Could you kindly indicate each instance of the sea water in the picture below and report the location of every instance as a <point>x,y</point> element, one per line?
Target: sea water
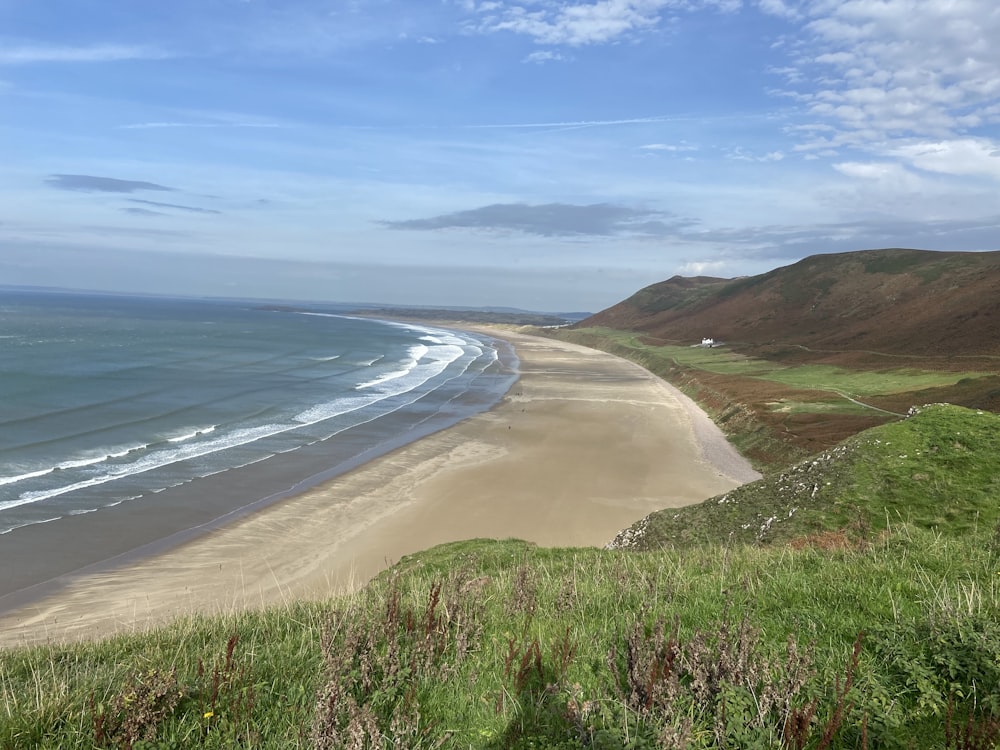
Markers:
<point>108,399</point>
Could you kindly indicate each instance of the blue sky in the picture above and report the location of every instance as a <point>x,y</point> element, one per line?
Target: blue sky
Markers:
<point>543,154</point>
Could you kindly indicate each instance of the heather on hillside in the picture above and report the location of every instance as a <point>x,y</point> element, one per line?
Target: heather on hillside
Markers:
<point>869,301</point>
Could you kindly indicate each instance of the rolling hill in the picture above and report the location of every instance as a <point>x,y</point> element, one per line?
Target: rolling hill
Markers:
<point>819,350</point>
<point>892,301</point>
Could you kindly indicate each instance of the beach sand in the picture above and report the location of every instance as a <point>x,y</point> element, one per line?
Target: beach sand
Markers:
<point>583,445</point>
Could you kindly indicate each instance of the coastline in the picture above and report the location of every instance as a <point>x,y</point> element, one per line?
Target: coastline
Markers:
<point>160,520</point>
<point>583,445</point>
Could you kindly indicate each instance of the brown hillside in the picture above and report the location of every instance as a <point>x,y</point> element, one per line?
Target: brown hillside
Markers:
<point>895,301</point>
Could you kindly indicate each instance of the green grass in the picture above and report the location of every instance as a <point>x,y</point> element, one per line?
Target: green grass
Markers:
<point>724,361</point>
<point>502,644</point>
<point>939,470</point>
<point>773,412</point>
<point>862,383</point>
<point>894,262</point>
<point>262,695</point>
<point>791,406</point>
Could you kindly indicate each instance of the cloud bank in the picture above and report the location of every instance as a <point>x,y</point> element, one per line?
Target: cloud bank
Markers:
<point>192,209</point>
<point>579,24</point>
<point>94,184</point>
<point>553,220</point>
<point>894,68</point>
<point>45,53</point>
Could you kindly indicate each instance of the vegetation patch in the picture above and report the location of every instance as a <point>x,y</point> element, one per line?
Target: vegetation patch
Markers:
<point>725,361</point>
<point>777,411</point>
<point>247,680</point>
<point>893,262</point>
<point>492,644</point>
<point>788,406</point>
<point>939,469</point>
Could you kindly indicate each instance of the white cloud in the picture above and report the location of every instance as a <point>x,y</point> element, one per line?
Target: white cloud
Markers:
<point>879,171</point>
<point>42,53</point>
<point>578,24</point>
<point>891,68</point>
<point>724,6</point>
<point>483,7</point>
<point>884,188</point>
<point>740,154</point>
<point>701,267</point>
<point>965,157</point>
<point>790,73</point>
<point>778,8</point>
<point>543,57</point>
<point>670,147</point>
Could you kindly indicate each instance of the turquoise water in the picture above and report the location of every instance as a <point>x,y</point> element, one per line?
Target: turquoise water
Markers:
<point>107,399</point>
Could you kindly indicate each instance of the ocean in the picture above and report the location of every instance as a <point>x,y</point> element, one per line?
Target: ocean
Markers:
<point>124,407</point>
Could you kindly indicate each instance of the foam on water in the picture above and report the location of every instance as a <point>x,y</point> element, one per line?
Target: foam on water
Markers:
<point>415,354</point>
<point>190,435</point>
<point>29,523</point>
<point>116,453</point>
<point>366,385</point>
<point>28,475</point>
<point>77,463</point>
<point>154,460</point>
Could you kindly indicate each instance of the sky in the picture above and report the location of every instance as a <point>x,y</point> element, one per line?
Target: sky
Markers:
<point>551,155</point>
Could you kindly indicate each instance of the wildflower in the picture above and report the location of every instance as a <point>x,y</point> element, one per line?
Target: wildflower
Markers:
<point>208,715</point>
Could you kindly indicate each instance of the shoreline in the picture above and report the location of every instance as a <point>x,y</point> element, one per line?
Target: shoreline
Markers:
<point>165,519</point>
<point>582,445</point>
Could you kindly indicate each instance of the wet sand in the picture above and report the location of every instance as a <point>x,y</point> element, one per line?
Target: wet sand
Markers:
<point>583,445</point>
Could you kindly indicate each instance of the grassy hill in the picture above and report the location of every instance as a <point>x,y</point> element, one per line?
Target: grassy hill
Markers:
<point>936,306</point>
<point>722,639</point>
<point>819,350</point>
<point>938,469</point>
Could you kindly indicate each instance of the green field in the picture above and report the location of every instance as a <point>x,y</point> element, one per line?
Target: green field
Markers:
<point>724,361</point>
<point>838,406</point>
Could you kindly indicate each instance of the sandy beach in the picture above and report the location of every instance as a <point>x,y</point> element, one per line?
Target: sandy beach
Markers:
<point>582,446</point>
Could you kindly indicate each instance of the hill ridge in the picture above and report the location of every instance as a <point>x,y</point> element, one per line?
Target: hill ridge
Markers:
<point>866,300</point>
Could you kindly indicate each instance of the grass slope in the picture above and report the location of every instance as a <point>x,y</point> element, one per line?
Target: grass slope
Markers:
<point>493,644</point>
<point>938,469</point>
